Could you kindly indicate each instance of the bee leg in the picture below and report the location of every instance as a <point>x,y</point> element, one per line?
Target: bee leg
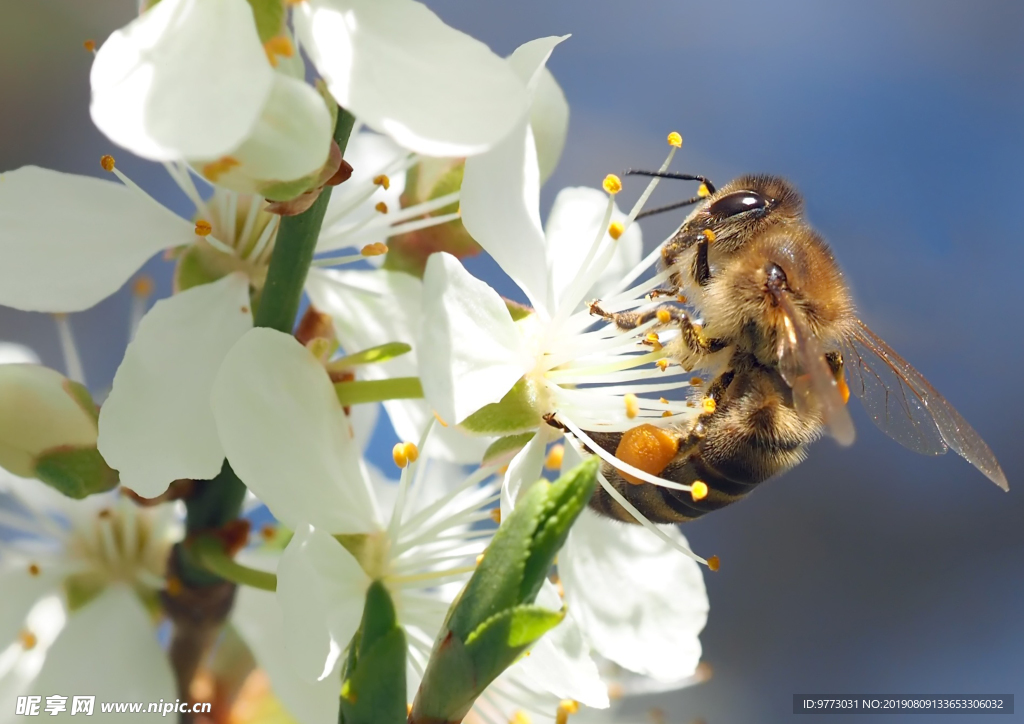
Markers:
<point>665,314</point>
<point>701,269</point>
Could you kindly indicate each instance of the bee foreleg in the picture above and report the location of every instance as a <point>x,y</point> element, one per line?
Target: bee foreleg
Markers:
<point>701,269</point>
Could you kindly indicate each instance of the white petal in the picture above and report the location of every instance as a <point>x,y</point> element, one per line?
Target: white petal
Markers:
<point>289,142</point>
<point>549,118</point>
<point>21,592</point>
<point>157,426</point>
<point>187,79</point>
<point>523,471</point>
<point>108,649</point>
<point>560,662</point>
<point>287,437</point>
<point>470,351</point>
<point>374,307</point>
<point>640,602</point>
<point>573,225</point>
<point>369,154</point>
<point>12,354</point>
<point>321,590</point>
<point>403,72</point>
<point>258,617</point>
<point>20,666</point>
<point>69,241</point>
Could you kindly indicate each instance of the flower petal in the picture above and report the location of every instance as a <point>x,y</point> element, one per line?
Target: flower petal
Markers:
<point>549,119</point>
<point>523,471</point>
<point>108,649</point>
<point>560,662</point>
<point>403,72</point>
<point>21,592</point>
<point>374,307</point>
<point>470,350</point>
<point>19,666</point>
<point>157,426</point>
<point>321,589</point>
<point>187,79</point>
<point>69,241</point>
<point>289,142</point>
<point>287,437</point>
<point>573,224</point>
<point>639,601</point>
<point>258,617</point>
<point>500,197</point>
<point>12,354</point>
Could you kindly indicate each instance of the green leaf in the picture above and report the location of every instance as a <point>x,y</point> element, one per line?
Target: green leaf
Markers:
<point>499,640</point>
<point>77,473</point>
<point>380,353</point>
<point>517,411</point>
<point>373,688</point>
<point>269,16</point>
<point>502,450</point>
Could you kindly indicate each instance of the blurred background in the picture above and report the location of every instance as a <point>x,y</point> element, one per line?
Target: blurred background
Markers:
<point>867,570</point>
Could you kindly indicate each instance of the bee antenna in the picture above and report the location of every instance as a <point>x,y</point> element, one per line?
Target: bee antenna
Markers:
<point>670,207</point>
<point>675,176</point>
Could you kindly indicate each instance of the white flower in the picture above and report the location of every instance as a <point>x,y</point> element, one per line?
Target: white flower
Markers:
<point>79,580</point>
<point>191,78</point>
<point>289,440</point>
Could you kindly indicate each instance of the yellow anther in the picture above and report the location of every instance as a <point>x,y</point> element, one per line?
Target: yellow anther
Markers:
<point>714,563</point>
<point>653,337</point>
<point>411,451</point>
<point>556,454</point>
<point>479,558</point>
<point>143,286</point>
<point>104,514</point>
<point>691,403</point>
<point>28,640</point>
<point>496,515</point>
<point>664,316</point>
<point>268,532</point>
<point>375,249</point>
<point>280,46</point>
<point>616,229</point>
<point>520,717</point>
<point>647,448</point>
<point>662,364</point>
<point>695,381</point>
<point>709,404</point>
<point>33,569</point>
<point>632,405</point>
<point>399,456</point>
<point>667,413</point>
<point>440,420</point>
<point>663,400</point>
<point>173,587</point>
<point>703,190</point>
<point>674,139</point>
<point>681,298</point>
<point>215,169</point>
<point>698,490</point>
<point>708,233</point>
<point>565,708</point>
<point>381,207</point>
<point>616,691</point>
<point>203,227</point>
<point>107,162</point>
<point>612,184</point>
<point>90,45</point>
<point>383,181</point>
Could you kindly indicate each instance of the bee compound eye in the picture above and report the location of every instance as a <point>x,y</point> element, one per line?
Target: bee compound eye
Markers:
<point>738,202</point>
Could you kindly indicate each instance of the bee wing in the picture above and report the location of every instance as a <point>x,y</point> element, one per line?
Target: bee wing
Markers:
<point>803,367</point>
<point>908,409</point>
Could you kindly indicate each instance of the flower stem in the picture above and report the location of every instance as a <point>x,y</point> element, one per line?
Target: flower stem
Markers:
<point>362,391</point>
<point>211,554</point>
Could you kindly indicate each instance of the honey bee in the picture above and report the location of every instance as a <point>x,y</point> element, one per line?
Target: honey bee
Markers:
<point>773,321</point>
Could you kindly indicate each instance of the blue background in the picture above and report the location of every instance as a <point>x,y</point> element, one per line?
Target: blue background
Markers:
<point>868,570</point>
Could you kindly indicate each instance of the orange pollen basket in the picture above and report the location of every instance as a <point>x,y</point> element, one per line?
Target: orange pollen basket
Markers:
<point>648,448</point>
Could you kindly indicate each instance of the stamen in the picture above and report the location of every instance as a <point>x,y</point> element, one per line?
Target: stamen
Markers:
<point>27,639</point>
<point>278,46</point>
<point>709,404</point>
<point>612,184</point>
<point>439,419</point>
<point>383,181</point>
<point>664,316</point>
<point>674,139</point>
<point>142,290</point>
<point>565,708</point>
<point>662,364</point>
<point>632,405</point>
<point>381,207</point>
<point>714,563</point>
<point>215,169</point>
<point>72,362</point>
<point>696,381</point>
<point>554,458</point>
<point>107,162</point>
<point>89,45</point>
<point>700,490</point>
<point>268,532</point>
<point>375,249</point>
<point>33,569</point>
<point>203,227</point>
<point>520,717</point>
<point>404,454</point>
<point>496,515</point>
<point>650,187</point>
<point>615,230</point>
<point>264,241</point>
<point>400,455</point>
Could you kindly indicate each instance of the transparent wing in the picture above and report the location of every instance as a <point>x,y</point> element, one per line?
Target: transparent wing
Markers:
<point>803,367</point>
<point>907,408</point>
